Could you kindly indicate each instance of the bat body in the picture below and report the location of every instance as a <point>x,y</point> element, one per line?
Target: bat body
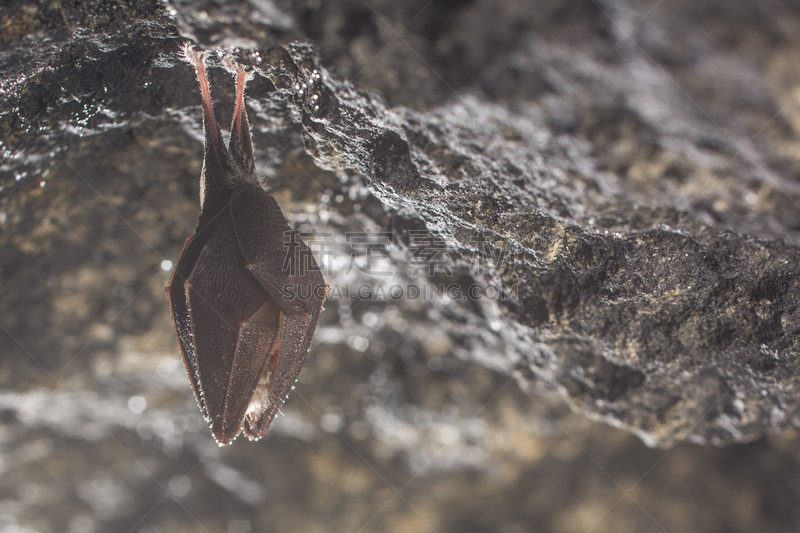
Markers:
<point>246,293</point>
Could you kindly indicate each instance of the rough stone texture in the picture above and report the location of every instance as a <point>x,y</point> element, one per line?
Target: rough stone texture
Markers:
<point>624,172</point>
<point>658,319</point>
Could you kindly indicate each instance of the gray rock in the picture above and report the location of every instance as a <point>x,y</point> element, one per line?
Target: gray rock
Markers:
<point>647,315</point>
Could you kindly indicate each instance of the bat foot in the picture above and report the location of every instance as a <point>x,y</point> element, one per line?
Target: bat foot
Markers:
<point>236,69</point>
<point>190,55</point>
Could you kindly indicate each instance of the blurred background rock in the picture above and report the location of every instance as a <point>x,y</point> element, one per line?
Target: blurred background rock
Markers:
<point>409,415</point>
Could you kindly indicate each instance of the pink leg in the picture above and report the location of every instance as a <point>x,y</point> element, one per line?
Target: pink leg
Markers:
<point>241,146</point>
<point>241,79</point>
<point>197,59</point>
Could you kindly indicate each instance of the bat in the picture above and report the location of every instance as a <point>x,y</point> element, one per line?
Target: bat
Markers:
<point>246,293</point>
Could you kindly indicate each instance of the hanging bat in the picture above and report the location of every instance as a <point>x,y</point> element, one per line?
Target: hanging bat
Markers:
<point>245,302</point>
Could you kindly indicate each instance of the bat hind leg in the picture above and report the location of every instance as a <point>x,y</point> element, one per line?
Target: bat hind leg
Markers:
<point>198,61</point>
<point>241,145</point>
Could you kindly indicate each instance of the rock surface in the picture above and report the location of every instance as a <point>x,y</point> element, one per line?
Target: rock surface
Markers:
<point>617,180</point>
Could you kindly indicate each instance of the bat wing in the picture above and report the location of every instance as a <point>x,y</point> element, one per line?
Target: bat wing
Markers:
<point>287,271</point>
<point>176,295</point>
<point>234,328</point>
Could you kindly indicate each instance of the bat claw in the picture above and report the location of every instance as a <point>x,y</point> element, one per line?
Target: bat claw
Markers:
<point>190,54</point>
<point>235,68</point>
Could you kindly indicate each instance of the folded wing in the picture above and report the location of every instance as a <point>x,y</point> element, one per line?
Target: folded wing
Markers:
<point>285,268</point>
<point>234,324</point>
